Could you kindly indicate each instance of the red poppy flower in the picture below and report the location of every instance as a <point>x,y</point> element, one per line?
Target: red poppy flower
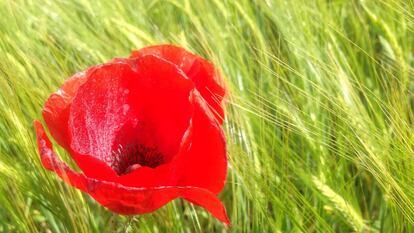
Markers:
<point>144,130</point>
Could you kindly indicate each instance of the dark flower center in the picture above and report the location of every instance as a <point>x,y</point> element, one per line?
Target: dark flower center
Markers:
<point>128,158</point>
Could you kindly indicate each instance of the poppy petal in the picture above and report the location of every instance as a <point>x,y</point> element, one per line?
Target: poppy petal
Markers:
<point>165,91</point>
<point>122,199</point>
<point>56,109</point>
<point>132,200</point>
<point>203,160</point>
<point>97,111</point>
<point>123,105</point>
<point>176,55</point>
<point>56,115</point>
<point>207,80</point>
<point>93,167</point>
<point>51,162</point>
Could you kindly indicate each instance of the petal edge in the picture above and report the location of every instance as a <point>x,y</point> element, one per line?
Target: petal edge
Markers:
<point>122,199</point>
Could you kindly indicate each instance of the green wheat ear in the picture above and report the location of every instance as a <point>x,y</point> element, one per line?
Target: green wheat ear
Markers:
<point>353,218</point>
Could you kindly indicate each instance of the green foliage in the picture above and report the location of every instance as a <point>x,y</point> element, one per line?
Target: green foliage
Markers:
<point>319,119</point>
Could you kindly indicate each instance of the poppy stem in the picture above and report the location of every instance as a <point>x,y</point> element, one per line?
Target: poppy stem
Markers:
<point>128,225</point>
<point>113,223</point>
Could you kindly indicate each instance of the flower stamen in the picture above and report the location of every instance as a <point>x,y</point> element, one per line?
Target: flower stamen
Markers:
<point>129,158</point>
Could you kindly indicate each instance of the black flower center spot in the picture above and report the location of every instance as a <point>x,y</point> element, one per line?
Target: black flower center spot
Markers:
<point>127,159</point>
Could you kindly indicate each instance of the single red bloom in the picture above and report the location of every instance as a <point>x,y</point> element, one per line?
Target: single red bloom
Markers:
<point>144,130</point>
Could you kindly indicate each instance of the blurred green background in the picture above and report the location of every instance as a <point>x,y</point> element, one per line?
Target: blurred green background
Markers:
<point>319,121</point>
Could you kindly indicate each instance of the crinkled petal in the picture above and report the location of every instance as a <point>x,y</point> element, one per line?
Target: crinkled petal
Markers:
<point>56,109</point>
<point>97,110</point>
<point>51,162</point>
<point>56,115</point>
<point>123,199</point>
<point>206,78</point>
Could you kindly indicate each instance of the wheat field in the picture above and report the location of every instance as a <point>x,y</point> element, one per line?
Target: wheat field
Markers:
<point>320,110</point>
